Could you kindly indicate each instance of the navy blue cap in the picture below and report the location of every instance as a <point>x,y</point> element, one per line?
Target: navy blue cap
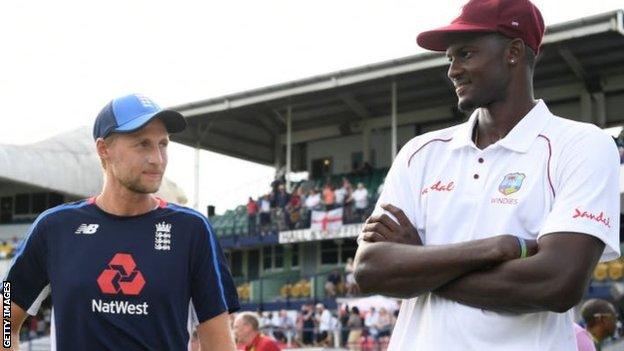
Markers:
<point>130,113</point>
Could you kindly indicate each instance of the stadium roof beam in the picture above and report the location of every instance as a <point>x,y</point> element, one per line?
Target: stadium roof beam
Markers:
<point>355,105</point>
<point>592,47</point>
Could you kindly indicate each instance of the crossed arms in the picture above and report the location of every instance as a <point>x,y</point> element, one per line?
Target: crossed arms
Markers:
<point>484,273</point>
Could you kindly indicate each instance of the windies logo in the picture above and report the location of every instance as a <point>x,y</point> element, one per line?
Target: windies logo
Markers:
<point>511,183</point>
<point>121,276</point>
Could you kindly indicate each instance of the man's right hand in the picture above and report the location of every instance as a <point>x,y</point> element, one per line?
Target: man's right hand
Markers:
<point>382,228</point>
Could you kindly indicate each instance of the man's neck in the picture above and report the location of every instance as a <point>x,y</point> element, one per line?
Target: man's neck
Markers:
<point>497,120</point>
<point>120,201</point>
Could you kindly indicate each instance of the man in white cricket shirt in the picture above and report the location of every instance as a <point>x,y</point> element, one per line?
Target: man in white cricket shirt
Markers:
<point>490,229</point>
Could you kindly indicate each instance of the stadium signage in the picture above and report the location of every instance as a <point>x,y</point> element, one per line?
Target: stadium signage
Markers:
<point>302,235</point>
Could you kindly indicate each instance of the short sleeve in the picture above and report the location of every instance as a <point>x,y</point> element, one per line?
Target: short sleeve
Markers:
<point>587,197</point>
<point>397,188</point>
<point>212,288</point>
<point>28,273</point>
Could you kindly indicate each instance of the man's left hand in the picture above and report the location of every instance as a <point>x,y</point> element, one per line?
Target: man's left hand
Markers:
<point>382,228</point>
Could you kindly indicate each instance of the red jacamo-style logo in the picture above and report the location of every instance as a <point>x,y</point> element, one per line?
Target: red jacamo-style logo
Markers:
<point>121,276</point>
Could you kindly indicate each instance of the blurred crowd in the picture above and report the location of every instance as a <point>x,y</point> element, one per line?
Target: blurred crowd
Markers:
<point>293,210</point>
<point>315,325</point>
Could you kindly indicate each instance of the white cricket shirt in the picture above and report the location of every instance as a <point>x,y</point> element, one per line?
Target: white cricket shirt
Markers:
<point>547,175</point>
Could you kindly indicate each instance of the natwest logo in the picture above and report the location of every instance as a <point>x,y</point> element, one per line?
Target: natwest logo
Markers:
<point>121,276</point>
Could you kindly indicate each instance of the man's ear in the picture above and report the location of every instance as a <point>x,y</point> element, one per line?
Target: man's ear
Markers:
<point>515,52</point>
<point>103,149</point>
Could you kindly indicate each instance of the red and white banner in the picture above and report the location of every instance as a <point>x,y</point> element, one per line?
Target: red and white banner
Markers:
<point>327,220</point>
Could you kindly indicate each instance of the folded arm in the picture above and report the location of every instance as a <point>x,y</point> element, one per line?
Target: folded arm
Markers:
<point>554,279</point>
<point>406,271</point>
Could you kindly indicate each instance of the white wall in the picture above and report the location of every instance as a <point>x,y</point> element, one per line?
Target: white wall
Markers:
<point>340,149</point>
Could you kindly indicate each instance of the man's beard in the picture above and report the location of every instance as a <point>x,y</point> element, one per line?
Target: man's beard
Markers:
<point>136,186</point>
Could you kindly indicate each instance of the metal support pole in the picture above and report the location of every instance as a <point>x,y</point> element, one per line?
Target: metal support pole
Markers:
<point>586,107</point>
<point>393,130</point>
<point>196,180</point>
<point>601,109</point>
<point>288,146</point>
<point>366,135</point>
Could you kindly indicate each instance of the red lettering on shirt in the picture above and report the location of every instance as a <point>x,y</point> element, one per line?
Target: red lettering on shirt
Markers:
<point>600,218</point>
<point>439,186</point>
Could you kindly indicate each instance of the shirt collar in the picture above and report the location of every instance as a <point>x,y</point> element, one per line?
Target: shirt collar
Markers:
<point>518,139</point>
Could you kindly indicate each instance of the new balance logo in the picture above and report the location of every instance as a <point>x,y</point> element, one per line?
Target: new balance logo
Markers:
<point>87,229</point>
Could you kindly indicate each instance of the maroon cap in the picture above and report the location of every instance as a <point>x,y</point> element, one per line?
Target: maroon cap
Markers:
<point>512,18</point>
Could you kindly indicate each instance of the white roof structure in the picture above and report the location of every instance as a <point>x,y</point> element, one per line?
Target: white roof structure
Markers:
<point>66,163</point>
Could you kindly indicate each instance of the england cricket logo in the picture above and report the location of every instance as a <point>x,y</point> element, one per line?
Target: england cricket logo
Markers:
<point>162,240</point>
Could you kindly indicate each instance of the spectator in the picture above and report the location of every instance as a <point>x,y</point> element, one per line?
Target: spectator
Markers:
<point>385,321</point>
<point>371,321</point>
<point>308,324</point>
<point>312,202</point>
<point>332,283</point>
<point>281,197</point>
<point>252,214</point>
<point>247,332</point>
<point>584,340</point>
<point>343,315</point>
<point>293,209</point>
<point>265,214</point>
<point>351,285</point>
<point>360,198</point>
<point>354,324</point>
<point>343,198</point>
<point>329,198</point>
<point>284,327</point>
<point>601,319</point>
<point>324,321</point>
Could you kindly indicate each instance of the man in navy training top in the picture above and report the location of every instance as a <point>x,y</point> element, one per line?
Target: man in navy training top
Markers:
<point>125,268</point>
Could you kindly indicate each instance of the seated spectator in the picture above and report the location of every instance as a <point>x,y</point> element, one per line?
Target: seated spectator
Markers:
<point>329,198</point>
<point>385,321</point>
<point>284,327</point>
<point>354,324</point>
<point>307,322</point>
<point>247,332</point>
<point>332,283</point>
<point>324,322</point>
<point>370,322</point>
<point>360,199</point>
<point>252,214</point>
<point>601,319</point>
